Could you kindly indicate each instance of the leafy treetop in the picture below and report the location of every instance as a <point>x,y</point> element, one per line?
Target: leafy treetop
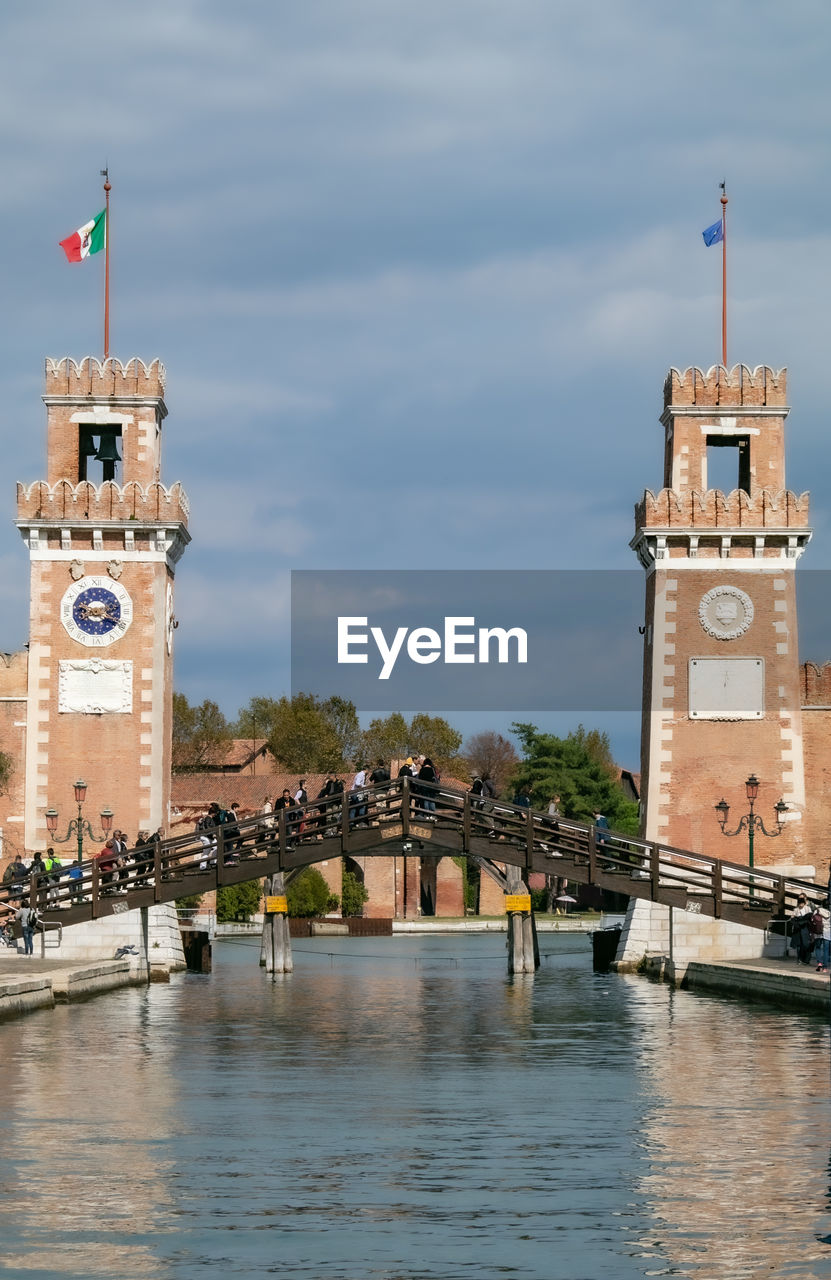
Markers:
<point>578,768</point>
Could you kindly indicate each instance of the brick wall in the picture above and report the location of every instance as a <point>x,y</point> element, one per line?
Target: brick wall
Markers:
<point>13,685</point>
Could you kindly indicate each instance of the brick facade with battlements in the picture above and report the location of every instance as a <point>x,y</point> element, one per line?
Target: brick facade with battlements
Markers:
<point>724,693</point>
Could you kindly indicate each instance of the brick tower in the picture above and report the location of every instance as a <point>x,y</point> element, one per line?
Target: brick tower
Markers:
<point>104,536</point>
<point>721,695</point>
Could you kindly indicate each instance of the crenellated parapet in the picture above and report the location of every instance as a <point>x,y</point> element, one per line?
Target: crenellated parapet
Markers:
<point>712,509</point>
<point>727,388</point>
<point>66,502</point>
<point>815,679</point>
<point>104,379</point>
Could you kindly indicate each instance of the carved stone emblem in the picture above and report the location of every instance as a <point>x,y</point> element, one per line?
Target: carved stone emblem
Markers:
<point>94,686</point>
<point>114,568</point>
<point>725,612</point>
<point>76,569</point>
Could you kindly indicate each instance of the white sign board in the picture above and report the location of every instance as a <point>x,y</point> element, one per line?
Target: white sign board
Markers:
<point>727,688</point>
<point>93,686</point>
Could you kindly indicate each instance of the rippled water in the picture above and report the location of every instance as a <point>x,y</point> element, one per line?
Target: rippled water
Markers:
<point>403,1110</point>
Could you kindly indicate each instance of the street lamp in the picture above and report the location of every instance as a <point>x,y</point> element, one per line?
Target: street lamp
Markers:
<point>78,827</point>
<point>750,821</point>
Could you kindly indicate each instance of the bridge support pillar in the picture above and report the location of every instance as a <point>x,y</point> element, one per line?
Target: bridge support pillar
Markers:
<point>276,951</point>
<point>523,950</point>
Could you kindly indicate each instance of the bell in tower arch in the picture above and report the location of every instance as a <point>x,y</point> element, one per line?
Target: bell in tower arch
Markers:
<point>108,454</point>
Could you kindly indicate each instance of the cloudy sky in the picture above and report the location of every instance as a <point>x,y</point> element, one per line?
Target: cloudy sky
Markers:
<point>416,270</point>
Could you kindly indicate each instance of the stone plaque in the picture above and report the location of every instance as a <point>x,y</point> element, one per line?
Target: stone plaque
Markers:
<point>727,688</point>
<point>93,686</point>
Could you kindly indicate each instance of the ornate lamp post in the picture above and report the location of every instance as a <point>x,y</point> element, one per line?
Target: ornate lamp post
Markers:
<point>78,827</point>
<point>750,821</point>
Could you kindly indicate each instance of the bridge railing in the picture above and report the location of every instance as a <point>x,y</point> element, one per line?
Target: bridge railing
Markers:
<point>496,829</point>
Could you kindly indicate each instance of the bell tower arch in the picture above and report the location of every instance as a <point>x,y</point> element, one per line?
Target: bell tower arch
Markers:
<point>104,537</point>
<point>721,691</point>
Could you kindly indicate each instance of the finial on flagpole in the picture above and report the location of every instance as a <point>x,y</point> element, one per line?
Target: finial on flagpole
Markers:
<point>105,174</point>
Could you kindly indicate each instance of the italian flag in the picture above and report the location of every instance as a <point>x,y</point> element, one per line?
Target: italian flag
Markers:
<point>88,239</point>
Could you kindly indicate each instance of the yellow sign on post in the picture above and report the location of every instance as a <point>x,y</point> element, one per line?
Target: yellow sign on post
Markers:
<point>277,905</point>
<point>517,902</point>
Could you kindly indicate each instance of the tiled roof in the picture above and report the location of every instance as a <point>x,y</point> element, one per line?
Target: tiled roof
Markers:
<point>240,752</point>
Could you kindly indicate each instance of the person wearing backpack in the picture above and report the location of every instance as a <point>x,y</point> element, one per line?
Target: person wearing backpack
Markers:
<point>54,870</point>
<point>27,919</point>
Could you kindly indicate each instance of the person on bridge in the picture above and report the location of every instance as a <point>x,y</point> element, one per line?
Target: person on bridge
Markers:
<point>54,871</point>
<point>357,814</point>
<point>38,868</point>
<point>76,886</point>
<point>380,774</point>
<point>107,863</point>
<point>427,773</point>
<point>19,872</point>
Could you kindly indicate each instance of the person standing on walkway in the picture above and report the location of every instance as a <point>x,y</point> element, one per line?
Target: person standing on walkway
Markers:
<point>801,937</point>
<point>26,918</point>
<point>822,946</point>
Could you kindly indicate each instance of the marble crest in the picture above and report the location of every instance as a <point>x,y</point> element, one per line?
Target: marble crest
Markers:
<point>725,612</point>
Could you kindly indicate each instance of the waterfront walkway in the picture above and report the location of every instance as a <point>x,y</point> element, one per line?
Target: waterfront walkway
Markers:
<point>28,983</point>
<point>796,986</point>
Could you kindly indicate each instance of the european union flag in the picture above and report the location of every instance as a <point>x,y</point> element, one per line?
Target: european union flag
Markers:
<point>714,233</point>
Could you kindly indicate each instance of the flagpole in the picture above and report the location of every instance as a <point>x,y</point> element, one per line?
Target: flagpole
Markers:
<point>105,174</point>
<point>723,273</point>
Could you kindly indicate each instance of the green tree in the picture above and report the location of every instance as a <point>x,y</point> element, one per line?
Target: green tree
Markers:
<point>6,770</point>
<point>354,894</point>
<point>302,732</point>
<point>342,716</point>
<point>201,734</point>
<point>308,893</point>
<point>569,767</point>
<point>297,733</point>
<point>189,903</point>
<point>432,736</point>
<point>386,739</point>
<point>238,901</point>
<point>595,743</point>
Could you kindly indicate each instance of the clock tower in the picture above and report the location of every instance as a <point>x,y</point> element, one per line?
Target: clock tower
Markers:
<point>104,537</point>
<point>722,694</point>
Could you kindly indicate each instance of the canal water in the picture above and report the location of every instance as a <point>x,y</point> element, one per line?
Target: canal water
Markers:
<point>401,1109</point>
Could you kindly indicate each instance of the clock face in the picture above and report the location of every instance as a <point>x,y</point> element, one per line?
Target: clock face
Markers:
<point>96,611</point>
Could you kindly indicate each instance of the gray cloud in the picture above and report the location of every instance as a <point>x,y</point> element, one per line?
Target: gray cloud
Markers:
<point>417,272</point>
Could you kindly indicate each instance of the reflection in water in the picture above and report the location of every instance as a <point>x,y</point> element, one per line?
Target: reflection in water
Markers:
<point>401,1109</point>
<point>735,1137</point>
<point>84,1125</point>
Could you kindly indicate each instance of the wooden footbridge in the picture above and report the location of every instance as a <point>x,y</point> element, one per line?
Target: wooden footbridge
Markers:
<point>410,818</point>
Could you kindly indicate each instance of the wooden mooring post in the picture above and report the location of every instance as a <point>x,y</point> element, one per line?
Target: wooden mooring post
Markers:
<point>523,950</point>
<point>276,951</point>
